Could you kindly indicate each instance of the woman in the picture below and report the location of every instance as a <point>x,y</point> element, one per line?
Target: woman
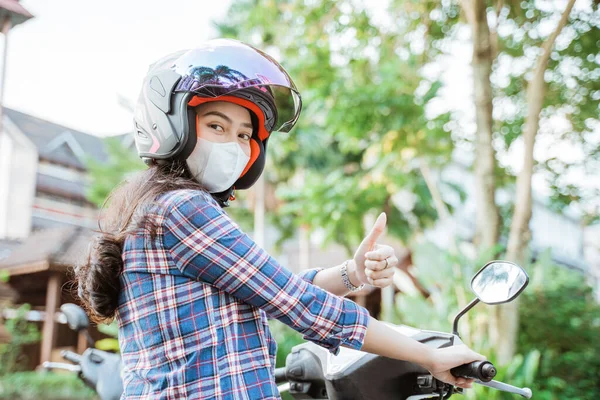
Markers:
<point>190,291</point>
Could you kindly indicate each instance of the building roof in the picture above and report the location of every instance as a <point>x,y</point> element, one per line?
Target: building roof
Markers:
<point>59,144</point>
<point>15,11</point>
<point>60,187</point>
<point>7,246</point>
<point>49,249</point>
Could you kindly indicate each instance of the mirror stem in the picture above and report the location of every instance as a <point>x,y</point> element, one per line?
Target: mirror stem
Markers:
<point>91,341</point>
<point>461,313</point>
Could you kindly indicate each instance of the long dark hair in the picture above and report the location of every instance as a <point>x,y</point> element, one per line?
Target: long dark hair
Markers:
<point>125,210</point>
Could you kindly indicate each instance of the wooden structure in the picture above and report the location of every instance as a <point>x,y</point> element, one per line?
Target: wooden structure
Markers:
<point>40,272</point>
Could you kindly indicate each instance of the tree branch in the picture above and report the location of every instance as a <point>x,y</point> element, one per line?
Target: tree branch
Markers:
<point>549,43</point>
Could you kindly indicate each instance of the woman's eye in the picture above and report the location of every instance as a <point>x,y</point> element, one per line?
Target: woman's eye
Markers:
<point>245,136</point>
<point>217,127</point>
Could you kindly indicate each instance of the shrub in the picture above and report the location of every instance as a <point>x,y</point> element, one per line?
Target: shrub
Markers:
<point>560,317</point>
<point>43,385</point>
<point>22,332</point>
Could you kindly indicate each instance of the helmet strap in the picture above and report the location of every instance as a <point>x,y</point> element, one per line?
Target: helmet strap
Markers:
<point>225,197</point>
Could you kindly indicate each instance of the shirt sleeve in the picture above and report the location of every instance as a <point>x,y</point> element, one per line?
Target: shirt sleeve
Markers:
<point>309,274</point>
<point>206,245</point>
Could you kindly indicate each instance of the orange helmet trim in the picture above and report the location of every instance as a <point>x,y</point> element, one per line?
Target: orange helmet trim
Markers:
<point>262,132</point>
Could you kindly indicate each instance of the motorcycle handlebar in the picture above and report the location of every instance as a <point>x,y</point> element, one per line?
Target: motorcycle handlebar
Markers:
<point>481,370</point>
<point>70,356</point>
<point>280,376</point>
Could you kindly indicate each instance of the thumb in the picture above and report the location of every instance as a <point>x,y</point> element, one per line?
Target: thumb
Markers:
<point>376,231</point>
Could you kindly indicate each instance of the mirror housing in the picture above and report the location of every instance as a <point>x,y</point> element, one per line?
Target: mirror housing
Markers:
<point>499,282</point>
<point>77,319</point>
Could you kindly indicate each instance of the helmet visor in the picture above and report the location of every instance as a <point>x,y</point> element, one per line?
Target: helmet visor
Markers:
<point>221,67</point>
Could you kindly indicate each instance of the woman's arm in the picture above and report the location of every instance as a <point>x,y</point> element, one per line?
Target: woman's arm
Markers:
<point>388,342</point>
<point>205,245</point>
<point>330,279</point>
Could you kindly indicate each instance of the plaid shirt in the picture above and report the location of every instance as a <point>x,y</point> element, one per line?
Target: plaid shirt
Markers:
<point>194,303</point>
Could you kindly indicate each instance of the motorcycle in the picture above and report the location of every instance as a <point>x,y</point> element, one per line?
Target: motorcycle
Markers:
<point>311,372</point>
<point>98,369</point>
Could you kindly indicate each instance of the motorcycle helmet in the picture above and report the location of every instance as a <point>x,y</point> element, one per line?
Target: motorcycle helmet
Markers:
<point>218,70</point>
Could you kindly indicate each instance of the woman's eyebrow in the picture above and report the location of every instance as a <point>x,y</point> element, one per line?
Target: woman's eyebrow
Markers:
<point>226,118</point>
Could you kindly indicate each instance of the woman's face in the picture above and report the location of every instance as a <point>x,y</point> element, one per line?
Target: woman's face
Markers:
<point>223,122</point>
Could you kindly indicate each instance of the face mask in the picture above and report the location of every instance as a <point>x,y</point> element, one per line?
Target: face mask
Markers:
<point>217,165</point>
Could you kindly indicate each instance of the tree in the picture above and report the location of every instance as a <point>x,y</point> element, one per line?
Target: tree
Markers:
<point>364,131</point>
<point>105,176</point>
<point>536,45</point>
<point>536,62</point>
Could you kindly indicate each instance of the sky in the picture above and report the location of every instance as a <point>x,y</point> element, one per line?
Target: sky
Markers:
<point>72,61</point>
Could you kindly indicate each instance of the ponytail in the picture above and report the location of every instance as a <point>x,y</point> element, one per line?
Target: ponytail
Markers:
<point>98,284</point>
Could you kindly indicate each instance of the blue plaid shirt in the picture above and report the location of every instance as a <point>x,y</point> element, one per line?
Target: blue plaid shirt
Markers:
<point>194,303</point>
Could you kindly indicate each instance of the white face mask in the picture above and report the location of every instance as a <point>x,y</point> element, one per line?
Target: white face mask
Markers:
<point>217,165</point>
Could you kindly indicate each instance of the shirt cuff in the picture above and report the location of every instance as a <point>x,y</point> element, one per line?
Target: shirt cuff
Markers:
<point>353,329</point>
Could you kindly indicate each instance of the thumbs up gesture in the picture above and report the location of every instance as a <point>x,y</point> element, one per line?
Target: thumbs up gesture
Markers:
<point>375,263</point>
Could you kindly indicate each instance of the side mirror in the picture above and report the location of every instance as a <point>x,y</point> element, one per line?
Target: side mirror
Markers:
<point>499,282</point>
<point>76,318</point>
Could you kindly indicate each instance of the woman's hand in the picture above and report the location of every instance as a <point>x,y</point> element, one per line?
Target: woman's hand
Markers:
<point>375,263</point>
<point>443,360</point>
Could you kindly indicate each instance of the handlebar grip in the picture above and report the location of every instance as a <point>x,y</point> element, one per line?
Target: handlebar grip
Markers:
<point>482,370</point>
<point>70,356</point>
<point>280,375</point>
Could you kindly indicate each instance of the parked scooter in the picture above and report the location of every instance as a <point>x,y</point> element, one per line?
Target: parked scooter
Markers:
<point>98,369</point>
<point>311,372</point>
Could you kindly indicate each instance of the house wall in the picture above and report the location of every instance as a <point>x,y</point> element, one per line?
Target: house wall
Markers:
<point>65,206</point>
<point>18,168</point>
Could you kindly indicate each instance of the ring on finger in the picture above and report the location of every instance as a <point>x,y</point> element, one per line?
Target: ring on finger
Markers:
<point>387,264</point>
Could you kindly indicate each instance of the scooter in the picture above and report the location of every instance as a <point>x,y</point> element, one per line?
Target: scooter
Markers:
<point>311,372</point>
<point>98,369</point>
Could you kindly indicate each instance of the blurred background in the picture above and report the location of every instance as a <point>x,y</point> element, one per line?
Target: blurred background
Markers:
<point>475,125</point>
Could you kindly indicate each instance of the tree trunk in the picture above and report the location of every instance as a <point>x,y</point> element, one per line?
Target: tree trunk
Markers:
<point>487,218</point>
<point>487,214</point>
<point>520,234</point>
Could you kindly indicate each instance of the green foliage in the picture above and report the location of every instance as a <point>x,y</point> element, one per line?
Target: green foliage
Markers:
<point>447,276</point>
<point>570,114</point>
<point>105,176</point>
<point>22,332</point>
<point>563,304</point>
<point>112,343</point>
<point>364,128</point>
<point>43,385</point>
<point>559,323</point>
<point>571,97</point>
<point>240,212</point>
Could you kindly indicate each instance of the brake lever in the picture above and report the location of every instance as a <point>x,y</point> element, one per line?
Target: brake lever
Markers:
<point>48,365</point>
<point>525,392</point>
